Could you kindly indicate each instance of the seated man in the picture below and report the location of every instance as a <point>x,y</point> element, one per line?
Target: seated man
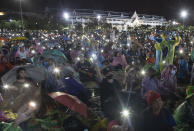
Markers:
<point>155,117</point>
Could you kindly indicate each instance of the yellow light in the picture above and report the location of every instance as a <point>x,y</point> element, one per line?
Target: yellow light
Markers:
<point>2,13</point>
<point>143,72</point>
<point>56,70</point>
<point>32,104</point>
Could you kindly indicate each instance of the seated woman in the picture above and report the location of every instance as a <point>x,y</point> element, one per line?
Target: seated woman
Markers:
<point>23,97</point>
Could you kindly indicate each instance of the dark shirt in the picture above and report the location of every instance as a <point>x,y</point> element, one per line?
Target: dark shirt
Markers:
<point>162,122</point>
<point>110,93</point>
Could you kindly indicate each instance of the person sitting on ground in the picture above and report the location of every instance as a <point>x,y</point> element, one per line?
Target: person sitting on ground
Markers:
<point>184,114</point>
<point>155,117</point>
<point>19,96</point>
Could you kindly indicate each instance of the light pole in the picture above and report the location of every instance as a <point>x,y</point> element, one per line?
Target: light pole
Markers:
<point>98,17</point>
<point>66,16</point>
<point>21,13</point>
<point>184,15</point>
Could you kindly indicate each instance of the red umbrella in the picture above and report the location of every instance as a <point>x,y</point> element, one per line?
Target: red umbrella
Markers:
<point>3,39</point>
<point>71,102</point>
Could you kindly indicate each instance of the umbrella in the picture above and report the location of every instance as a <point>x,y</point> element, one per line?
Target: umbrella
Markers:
<point>9,127</point>
<point>3,39</point>
<point>72,102</point>
<point>56,55</point>
<point>19,38</point>
<point>35,73</point>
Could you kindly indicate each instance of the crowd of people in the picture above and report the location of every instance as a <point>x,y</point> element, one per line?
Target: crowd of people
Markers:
<point>141,79</point>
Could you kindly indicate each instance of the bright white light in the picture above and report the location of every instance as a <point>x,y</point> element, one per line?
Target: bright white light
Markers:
<point>43,48</point>
<point>128,44</point>
<point>143,72</point>
<point>78,58</point>
<point>184,14</point>
<point>6,86</point>
<point>94,56</point>
<point>33,51</point>
<point>26,85</point>
<point>125,113</point>
<point>181,51</point>
<point>98,17</point>
<point>174,23</point>
<point>32,104</point>
<point>66,15</point>
<point>163,62</point>
<point>56,70</point>
<point>38,43</point>
<point>82,48</point>
<point>93,94</point>
<point>102,51</point>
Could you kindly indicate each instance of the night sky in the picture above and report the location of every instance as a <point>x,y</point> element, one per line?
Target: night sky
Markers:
<point>168,8</point>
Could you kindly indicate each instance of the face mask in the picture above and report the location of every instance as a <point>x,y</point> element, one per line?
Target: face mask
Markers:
<point>109,76</point>
<point>173,72</point>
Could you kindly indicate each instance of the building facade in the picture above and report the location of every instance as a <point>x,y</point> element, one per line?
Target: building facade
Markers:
<point>120,20</point>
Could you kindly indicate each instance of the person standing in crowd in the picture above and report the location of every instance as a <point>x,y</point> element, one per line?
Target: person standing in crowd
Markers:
<point>22,52</point>
<point>184,114</point>
<point>183,71</point>
<point>119,60</point>
<point>155,117</point>
<point>151,82</point>
<point>5,65</point>
<point>109,91</point>
<point>192,75</point>
<point>168,77</point>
